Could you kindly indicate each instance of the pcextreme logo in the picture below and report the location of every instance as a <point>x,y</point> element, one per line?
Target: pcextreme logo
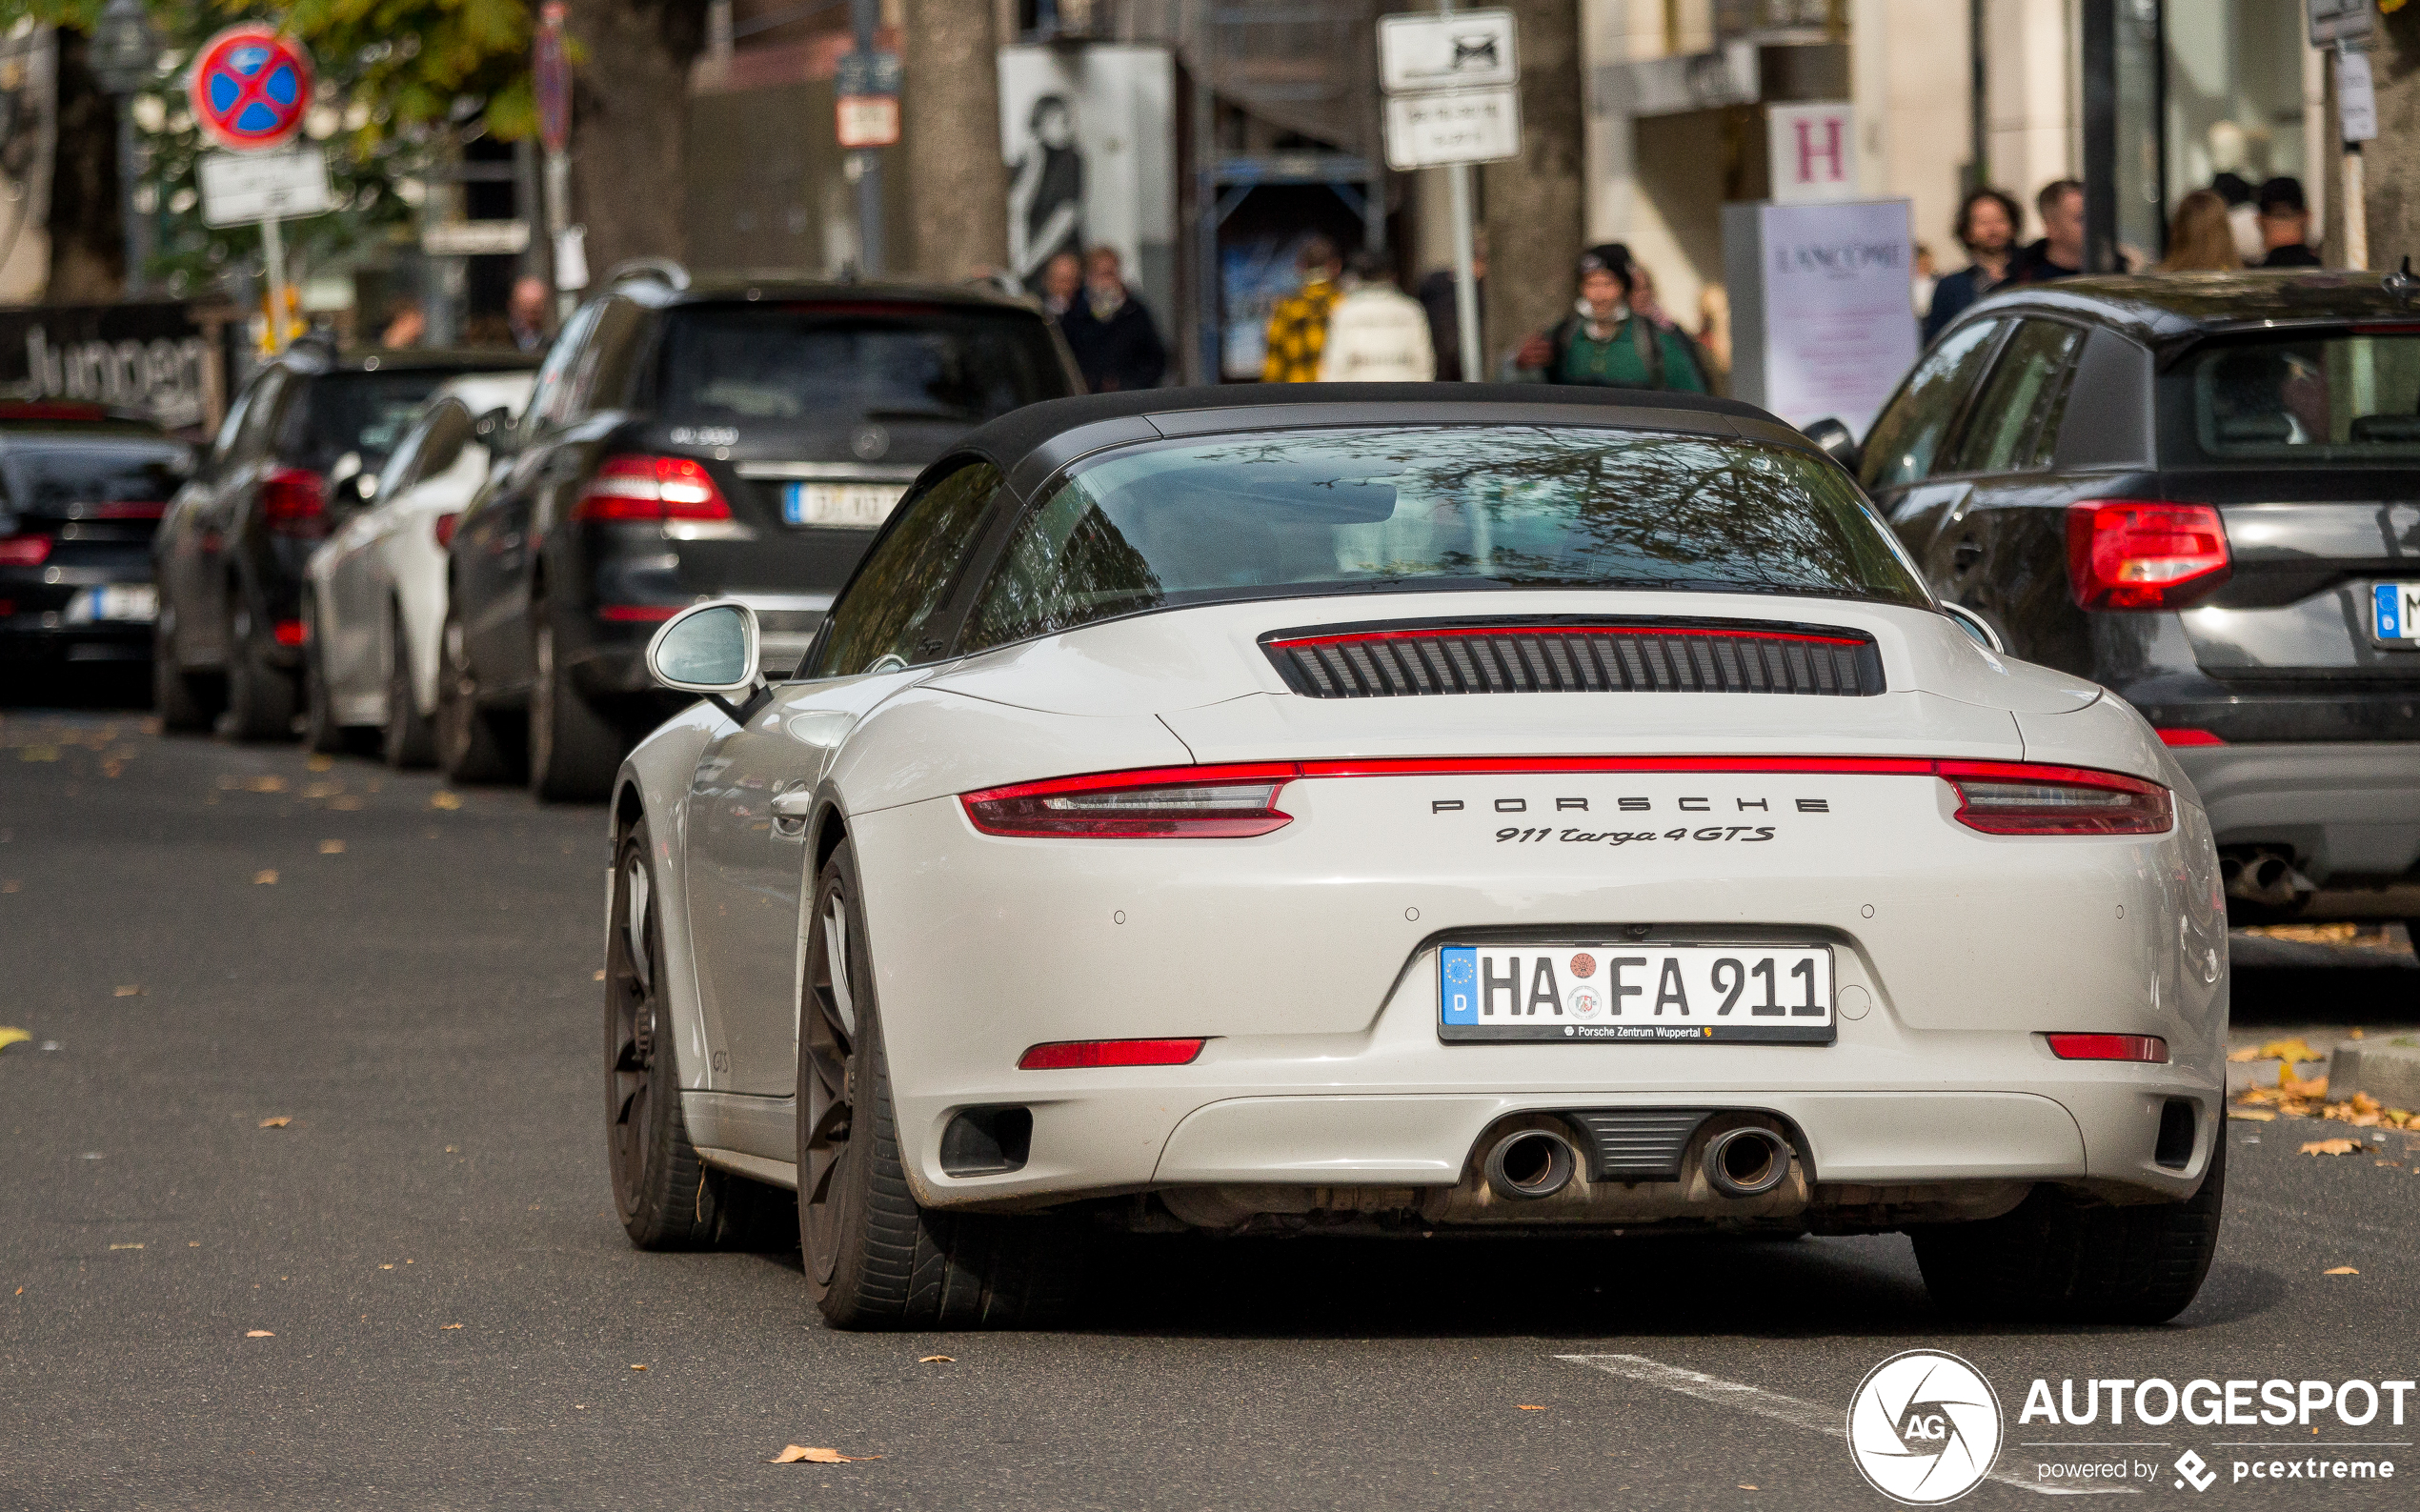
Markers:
<point>1923,1427</point>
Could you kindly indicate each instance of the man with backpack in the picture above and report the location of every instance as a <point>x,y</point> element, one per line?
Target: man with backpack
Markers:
<point>1603,342</point>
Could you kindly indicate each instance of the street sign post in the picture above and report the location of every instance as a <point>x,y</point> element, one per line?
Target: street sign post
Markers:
<point>2334,21</point>
<point>551,67</point>
<point>1453,98</point>
<point>867,113</point>
<point>249,87</point>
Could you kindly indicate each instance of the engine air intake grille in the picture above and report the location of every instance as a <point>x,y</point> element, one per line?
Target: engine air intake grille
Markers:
<point>1404,660</point>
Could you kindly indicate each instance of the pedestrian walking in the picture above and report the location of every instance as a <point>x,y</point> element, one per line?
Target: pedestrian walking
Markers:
<point>2199,238</point>
<point>1445,317</point>
<point>1062,279</point>
<point>1987,226</point>
<point>2059,252</point>
<point>1297,327</point>
<point>2285,226</point>
<point>1604,342</point>
<point>1375,333</point>
<point>525,314</point>
<point>1115,341</point>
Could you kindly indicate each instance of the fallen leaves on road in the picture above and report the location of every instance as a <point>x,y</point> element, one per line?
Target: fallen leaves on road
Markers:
<point>638,1367</point>
<point>2252,1116</point>
<point>346,802</point>
<point>321,763</point>
<point>259,1333</point>
<point>2340,1270</point>
<point>1745,1486</point>
<point>10,1037</point>
<point>1526,1407</point>
<point>332,847</point>
<point>126,1246</point>
<point>795,1454</point>
<point>11,887</point>
<point>442,799</point>
<point>129,992</point>
<point>266,876</point>
<point>2332,1146</point>
<point>278,1122</point>
<point>599,976</point>
<point>266,784</point>
<point>448,1325</point>
<point>937,1359</point>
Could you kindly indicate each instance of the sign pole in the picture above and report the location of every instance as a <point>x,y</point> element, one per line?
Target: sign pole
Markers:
<point>551,68</point>
<point>1465,259</point>
<point>865,164</point>
<point>273,249</point>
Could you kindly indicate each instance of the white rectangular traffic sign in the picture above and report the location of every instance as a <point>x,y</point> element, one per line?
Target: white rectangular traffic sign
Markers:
<point>242,186</point>
<point>475,239</point>
<point>1466,49</point>
<point>2356,100</point>
<point>1457,126</point>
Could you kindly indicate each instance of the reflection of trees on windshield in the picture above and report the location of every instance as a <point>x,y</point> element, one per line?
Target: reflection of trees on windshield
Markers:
<point>1536,507</point>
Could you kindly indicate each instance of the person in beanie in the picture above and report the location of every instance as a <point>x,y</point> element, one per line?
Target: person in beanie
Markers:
<point>1297,327</point>
<point>1602,343</point>
<point>2285,226</point>
<point>1115,342</point>
<point>1377,333</point>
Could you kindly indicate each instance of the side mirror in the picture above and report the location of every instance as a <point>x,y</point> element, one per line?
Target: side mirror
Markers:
<point>1975,625</point>
<point>356,490</point>
<point>1837,441</point>
<point>710,650</point>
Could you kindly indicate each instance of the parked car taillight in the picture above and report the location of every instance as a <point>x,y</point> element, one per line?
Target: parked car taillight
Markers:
<point>651,488</point>
<point>443,525</point>
<point>2130,554</point>
<point>1208,802</point>
<point>293,501</point>
<point>24,550</point>
<point>2024,797</point>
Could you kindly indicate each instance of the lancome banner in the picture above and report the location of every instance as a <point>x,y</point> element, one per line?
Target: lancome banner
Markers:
<point>1822,322</point>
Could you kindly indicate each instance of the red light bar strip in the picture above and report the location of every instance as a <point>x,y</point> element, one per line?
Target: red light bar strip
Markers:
<point>639,613</point>
<point>1067,1055</point>
<point>2151,1049</point>
<point>1490,632</point>
<point>2188,738</point>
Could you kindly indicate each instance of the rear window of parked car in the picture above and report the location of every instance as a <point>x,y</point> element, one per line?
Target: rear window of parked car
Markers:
<point>71,481</point>
<point>2343,396</point>
<point>734,365</point>
<point>1440,508</point>
<point>353,412</point>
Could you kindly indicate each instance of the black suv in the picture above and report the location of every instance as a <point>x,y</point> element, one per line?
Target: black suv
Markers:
<point>2202,491</point>
<point>82,488</point>
<point>740,439</point>
<point>291,460</point>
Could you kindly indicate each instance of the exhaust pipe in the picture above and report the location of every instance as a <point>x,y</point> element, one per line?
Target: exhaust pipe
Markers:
<point>1528,1164</point>
<point>1747,1161</point>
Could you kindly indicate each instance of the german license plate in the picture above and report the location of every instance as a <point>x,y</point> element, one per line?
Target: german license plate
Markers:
<point>1676,994</point>
<point>2397,611</point>
<point>123,603</point>
<point>845,506</point>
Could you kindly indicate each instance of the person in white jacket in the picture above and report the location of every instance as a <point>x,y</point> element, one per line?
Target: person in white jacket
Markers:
<point>1377,333</point>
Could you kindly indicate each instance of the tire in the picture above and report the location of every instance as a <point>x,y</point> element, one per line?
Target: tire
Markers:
<point>2061,1259</point>
<point>410,739</point>
<point>575,751</point>
<point>666,1197</point>
<point>468,747</point>
<point>174,697</point>
<point>873,1258</point>
<point>260,698</point>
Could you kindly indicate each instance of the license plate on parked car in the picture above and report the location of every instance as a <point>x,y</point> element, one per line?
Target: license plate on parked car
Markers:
<point>1677,994</point>
<point>2397,611</point>
<point>848,505</point>
<point>123,603</point>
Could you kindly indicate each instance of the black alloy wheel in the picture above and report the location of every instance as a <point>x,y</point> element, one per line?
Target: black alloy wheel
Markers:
<point>410,740</point>
<point>873,1258</point>
<point>468,747</point>
<point>573,750</point>
<point>260,695</point>
<point>663,1193</point>
<point>174,698</point>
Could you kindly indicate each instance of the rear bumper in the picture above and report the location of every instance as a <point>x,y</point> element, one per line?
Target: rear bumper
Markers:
<point>2350,811</point>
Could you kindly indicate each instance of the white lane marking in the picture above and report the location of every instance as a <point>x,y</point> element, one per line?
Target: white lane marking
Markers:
<point>1831,1422</point>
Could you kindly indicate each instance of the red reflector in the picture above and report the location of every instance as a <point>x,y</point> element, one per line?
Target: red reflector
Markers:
<point>294,502</point>
<point>129,511</point>
<point>2024,797</point>
<point>290,632</point>
<point>24,550</point>
<point>1070,1054</point>
<point>2127,553</point>
<point>651,488</point>
<point>639,613</point>
<point>2108,1047</point>
<point>2186,737</point>
<point>443,527</point>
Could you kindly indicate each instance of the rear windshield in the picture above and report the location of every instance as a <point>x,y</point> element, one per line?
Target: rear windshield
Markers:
<point>79,481</point>
<point>354,412</point>
<point>2336,397</point>
<point>739,364</point>
<point>1437,508</point>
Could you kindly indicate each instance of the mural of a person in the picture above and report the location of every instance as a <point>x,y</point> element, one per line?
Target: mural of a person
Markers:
<point>1046,191</point>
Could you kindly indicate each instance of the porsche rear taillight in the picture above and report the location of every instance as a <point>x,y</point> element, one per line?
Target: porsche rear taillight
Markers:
<point>2023,798</point>
<point>651,488</point>
<point>2149,1049</point>
<point>293,501</point>
<point>2130,554</point>
<point>1208,802</point>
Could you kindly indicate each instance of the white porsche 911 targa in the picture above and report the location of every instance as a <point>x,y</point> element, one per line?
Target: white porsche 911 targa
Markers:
<point>1408,810</point>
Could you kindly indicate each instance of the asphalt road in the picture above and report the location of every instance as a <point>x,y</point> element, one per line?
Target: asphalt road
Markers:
<point>412,1295</point>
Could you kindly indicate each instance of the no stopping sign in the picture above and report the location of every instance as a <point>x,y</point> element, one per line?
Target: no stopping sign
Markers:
<point>251,87</point>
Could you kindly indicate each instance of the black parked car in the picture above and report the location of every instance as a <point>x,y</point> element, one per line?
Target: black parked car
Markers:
<point>2202,491</point>
<point>82,488</point>
<point>297,449</point>
<point>736,439</point>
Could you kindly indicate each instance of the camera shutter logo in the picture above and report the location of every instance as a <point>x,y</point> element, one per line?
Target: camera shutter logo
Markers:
<point>1923,1427</point>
